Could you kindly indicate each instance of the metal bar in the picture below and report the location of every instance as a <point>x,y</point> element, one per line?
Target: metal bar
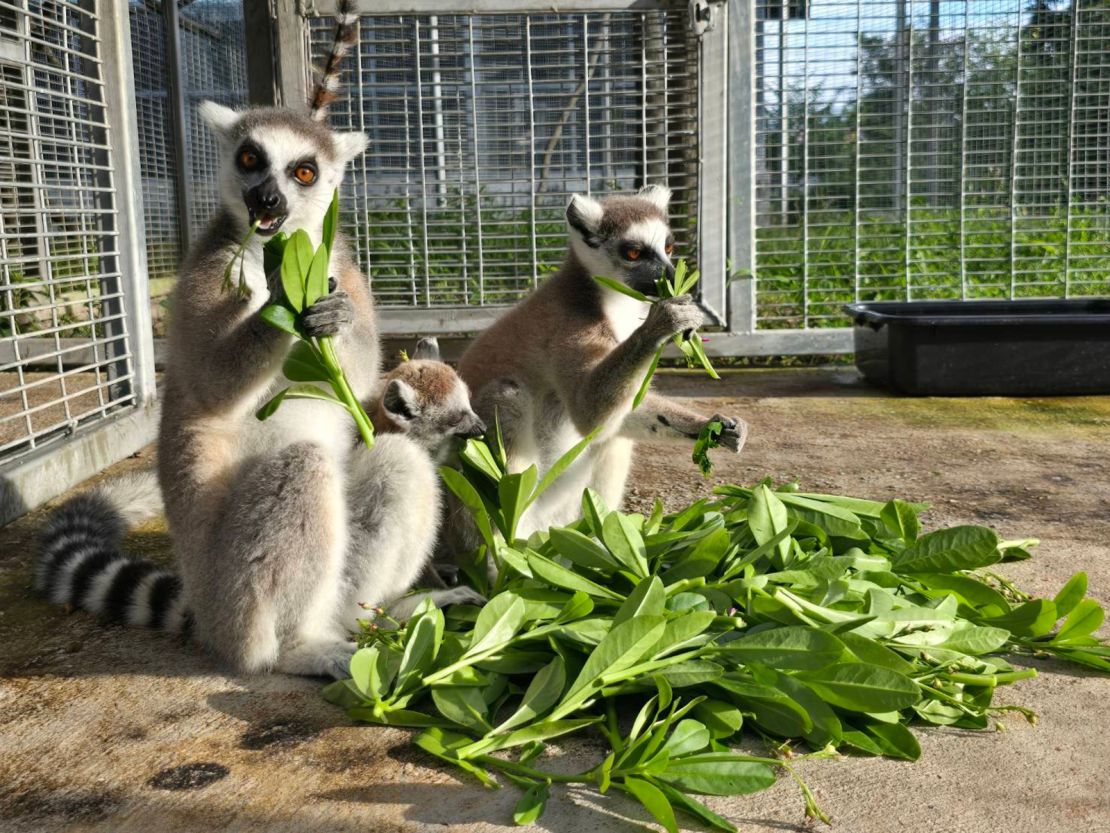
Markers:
<point>741,168</point>
<point>1073,57</point>
<point>477,162</point>
<point>586,95</point>
<point>327,8</point>
<point>1014,146</point>
<point>131,262</point>
<point>423,168</point>
<point>532,148</point>
<point>261,51</point>
<point>712,170</point>
<point>963,162</point>
<point>175,73</point>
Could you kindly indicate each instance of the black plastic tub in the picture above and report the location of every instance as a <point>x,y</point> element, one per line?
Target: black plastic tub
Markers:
<point>985,348</point>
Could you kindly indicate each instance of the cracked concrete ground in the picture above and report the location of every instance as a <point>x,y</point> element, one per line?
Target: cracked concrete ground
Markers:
<point>109,729</point>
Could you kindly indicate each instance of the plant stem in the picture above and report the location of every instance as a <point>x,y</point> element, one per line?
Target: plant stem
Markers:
<point>586,777</point>
<point>343,390</point>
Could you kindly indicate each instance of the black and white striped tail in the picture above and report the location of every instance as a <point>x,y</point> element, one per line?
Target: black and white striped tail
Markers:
<point>81,565</point>
<point>346,38</point>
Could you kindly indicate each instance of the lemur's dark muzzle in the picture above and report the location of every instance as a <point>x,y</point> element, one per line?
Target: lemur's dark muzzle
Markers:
<point>472,428</point>
<point>266,204</point>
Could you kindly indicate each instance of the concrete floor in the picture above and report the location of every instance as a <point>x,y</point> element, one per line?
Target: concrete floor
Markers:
<point>95,720</point>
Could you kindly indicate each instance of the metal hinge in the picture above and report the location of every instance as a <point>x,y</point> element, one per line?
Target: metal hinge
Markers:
<point>703,15</point>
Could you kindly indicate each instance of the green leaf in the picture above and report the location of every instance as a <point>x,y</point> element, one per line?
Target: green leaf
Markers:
<point>1070,594</point>
<point>560,576</point>
<point>949,550</point>
<point>462,705</point>
<point>697,348</point>
<point>720,718</point>
<point>316,279</point>
<point>1033,618</point>
<point>863,688</point>
<point>465,492</point>
<point>295,263</point>
<point>647,599</point>
<point>874,653</point>
<point>582,550</point>
<point>1085,618</point>
<point>421,646</point>
<point>281,317</point>
<point>498,622</point>
<point>826,725</point>
<point>272,252</point>
<point>694,808</point>
<point>654,802</point>
<point>703,559</point>
<point>708,438</point>
<point>767,518</point>
<point>715,773</point>
<point>303,365</point>
<point>774,710</point>
<point>984,598</point>
<point>271,406</point>
<point>362,664</point>
<point>689,736</point>
<point>901,519</point>
<point>562,464</point>
<point>543,692</point>
<point>438,742</point>
<point>514,491</point>
<point>894,740</point>
<point>624,541</point>
<point>477,454</point>
<point>331,222</point>
<point>594,510</point>
<point>622,288</point>
<point>622,647</point>
<point>976,640</point>
<point>795,647</point>
<point>531,804</point>
<point>645,385</point>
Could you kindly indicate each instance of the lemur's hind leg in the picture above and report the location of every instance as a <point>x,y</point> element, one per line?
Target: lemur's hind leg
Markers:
<point>287,528</point>
<point>394,499</point>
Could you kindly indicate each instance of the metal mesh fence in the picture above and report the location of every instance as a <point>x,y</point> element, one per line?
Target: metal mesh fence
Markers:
<point>914,149</point>
<point>480,126</point>
<point>157,159</point>
<point>64,349</point>
<point>215,68</point>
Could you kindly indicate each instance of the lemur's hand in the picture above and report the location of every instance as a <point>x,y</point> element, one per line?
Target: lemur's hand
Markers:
<point>734,432</point>
<point>672,316</point>
<point>330,315</point>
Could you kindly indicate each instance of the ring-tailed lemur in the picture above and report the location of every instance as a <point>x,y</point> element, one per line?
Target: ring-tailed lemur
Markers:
<point>393,495</point>
<point>257,510</point>
<point>572,356</point>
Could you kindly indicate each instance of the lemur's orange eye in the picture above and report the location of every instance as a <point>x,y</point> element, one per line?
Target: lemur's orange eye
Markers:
<point>668,248</point>
<point>305,174</point>
<point>631,253</point>
<point>248,158</point>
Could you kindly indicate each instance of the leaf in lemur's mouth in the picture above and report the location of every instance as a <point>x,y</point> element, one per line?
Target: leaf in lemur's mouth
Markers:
<point>267,223</point>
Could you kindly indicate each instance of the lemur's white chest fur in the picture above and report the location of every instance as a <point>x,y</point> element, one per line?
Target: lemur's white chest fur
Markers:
<point>623,313</point>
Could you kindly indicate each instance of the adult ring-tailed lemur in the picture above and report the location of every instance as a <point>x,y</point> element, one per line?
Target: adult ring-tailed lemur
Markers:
<point>258,512</point>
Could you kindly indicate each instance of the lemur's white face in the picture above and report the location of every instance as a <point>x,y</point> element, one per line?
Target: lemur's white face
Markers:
<point>279,169</point>
<point>626,238</point>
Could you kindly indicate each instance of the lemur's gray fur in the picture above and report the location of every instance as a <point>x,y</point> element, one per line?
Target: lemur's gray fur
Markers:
<point>571,357</point>
<point>393,498</point>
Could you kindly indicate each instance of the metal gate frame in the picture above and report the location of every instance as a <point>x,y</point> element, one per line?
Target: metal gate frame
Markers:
<point>56,466</point>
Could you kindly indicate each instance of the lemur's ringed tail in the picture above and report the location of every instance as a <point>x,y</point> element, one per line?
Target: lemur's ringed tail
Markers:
<point>346,38</point>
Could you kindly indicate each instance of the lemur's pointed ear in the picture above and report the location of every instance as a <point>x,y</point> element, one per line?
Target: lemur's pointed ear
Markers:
<point>584,216</point>
<point>400,401</point>
<point>349,145</point>
<point>657,195</point>
<point>221,119</point>
<point>427,349</point>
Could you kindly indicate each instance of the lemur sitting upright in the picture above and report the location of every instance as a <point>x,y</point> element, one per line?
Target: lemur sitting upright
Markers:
<point>571,357</point>
<point>258,511</point>
<point>393,499</point>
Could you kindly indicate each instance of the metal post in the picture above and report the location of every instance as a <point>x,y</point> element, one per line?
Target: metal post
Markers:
<point>175,74</point>
<point>262,53</point>
<point>741,168</point>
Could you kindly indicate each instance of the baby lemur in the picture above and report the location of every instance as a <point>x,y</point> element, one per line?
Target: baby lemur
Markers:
<point>571,357</point>
<point>393,495</point>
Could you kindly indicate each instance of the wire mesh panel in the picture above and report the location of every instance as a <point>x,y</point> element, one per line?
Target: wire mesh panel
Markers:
<point>919,149</point>
<point>480,127</point>
<point>65,353</point>
<point>156,162</point>
<point>215,68</point>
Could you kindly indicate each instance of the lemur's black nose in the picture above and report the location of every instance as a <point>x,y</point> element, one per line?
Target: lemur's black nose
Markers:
<point>473,428</point>
<point>266,196</point>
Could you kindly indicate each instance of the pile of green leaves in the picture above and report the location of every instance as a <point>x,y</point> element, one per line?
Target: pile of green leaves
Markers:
<point>304,279</point>
<point>825,620</point>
